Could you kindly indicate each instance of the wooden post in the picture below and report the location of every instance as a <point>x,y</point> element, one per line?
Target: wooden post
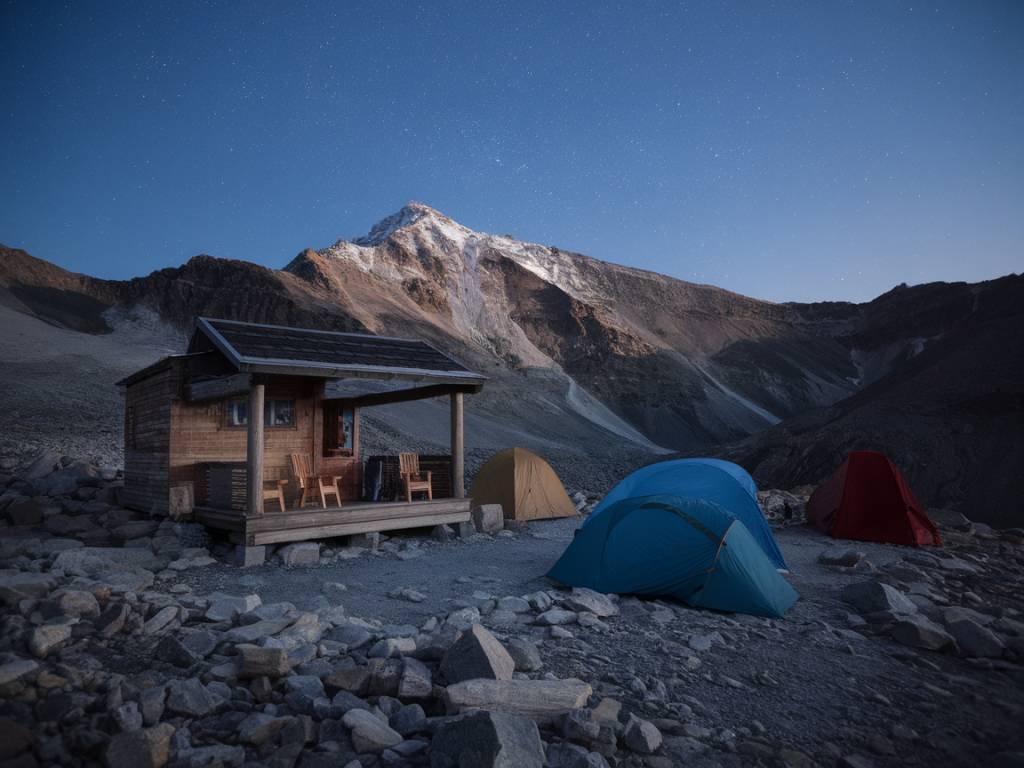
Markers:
<point>254,450</point>
<point>458,471</point>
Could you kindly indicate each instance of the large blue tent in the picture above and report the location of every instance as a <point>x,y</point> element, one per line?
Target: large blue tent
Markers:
<point>690,549</point>
<point>721,482</point>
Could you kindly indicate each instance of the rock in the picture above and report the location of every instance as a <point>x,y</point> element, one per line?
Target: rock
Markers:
<point>308,685</point>
<point>556,617</point>
<point>160,620</point>
<point>353,679</point>
<point>112,620</point>
<point>974,640</point>
<point>477,654</point>
<point>488,518</point>
<point>408,594</point>
<point>513,604</point>
<point>391,647</point>
<point>213,756</point>
<point>186,650</point>
<point>259,727</point>
<point>416,681</point>
<point>874,596</point>
<point>540,601</point>
<point>46,637</point>
<point>228,607</point>
<point>536,698</point>
<point>14,739</point>
<point>525,655</point>
<point>14,670</point>
<point>844,558</point>
<point>262,662</point>
<point>302,553</point>
<point>370,733</point>
<point>77,603</point>
<point>16,586</point>
<point>920,632</point>
<point>25,512</point>
<point>566,755</point>
<point>385,676</point>
<point>259,630</point>
<point>190,698</point>
<point>151,704</point>
<point>487,740</point>
<point>641,736</point>
<point>128,717</point>
<point>91,561</point>
<point>583,599</point>
<point>409,719</point>
<point>144,748</point>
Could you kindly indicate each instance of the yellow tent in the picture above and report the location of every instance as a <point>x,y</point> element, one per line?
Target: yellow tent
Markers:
<point>524,484</point>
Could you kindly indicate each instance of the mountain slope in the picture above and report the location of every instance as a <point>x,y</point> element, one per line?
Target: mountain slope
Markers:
<point>593,359</point>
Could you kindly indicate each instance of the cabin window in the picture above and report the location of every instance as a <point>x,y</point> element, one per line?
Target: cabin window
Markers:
<point>340,429</point>
<point>278,412</point>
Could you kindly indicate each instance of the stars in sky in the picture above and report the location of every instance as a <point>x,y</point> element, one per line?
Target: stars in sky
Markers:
<point>765,149</point>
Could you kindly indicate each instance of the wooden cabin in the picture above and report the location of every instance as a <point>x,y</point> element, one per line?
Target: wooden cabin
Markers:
<point>192,452</point>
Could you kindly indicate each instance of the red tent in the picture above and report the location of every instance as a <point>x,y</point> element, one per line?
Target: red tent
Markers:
<point>868,499</point>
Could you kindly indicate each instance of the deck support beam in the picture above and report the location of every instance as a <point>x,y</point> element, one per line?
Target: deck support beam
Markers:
<point>254,450</point>
<point>458,449</point>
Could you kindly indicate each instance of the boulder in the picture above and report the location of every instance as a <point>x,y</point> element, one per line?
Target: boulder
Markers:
<point>641,736</point>
<point>513,604</point>
<point>556,617</point>
<point>488,518</point>
<point>160,620</point>
<point>90,561</point>
<point>77,603</point>
<point>260,727</point>
<point>46,637</point>
<point>565,755</point>
<point>190,698</point>
<point>369,732</point>
<point>262,662</point>
<point>144,748</point>
<point>16,586</point>
<point>228,607</point>
<point>920,632</point>
<point>409,719</point>
<point>416,681</point>
<point>583,599</point>
<point>112,620</point>
<point>301,553</point>
<point>537,698</point>
<point>974,640</point>
<point>487,740</point>
<point>477,654</point>
<point>14,670</point>
<point>250,633</point>
<point>841,557</point>
<point>25,512</point>
<point>525,655</point>
<point>874,596</point>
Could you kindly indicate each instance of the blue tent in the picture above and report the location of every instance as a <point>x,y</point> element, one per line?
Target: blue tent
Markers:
<point>722,482</point>
<point>690,549</point>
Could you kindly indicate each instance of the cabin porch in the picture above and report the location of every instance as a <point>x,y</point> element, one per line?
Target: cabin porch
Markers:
<point>347,520</point>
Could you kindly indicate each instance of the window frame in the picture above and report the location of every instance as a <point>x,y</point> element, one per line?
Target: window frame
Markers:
<point>269,409</point>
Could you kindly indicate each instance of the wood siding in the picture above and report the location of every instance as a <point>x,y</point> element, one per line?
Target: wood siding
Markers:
<point>147,430</point>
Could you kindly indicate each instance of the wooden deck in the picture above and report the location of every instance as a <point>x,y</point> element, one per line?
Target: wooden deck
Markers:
<point>318,523</point>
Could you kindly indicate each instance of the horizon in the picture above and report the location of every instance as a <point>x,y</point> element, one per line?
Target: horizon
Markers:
<point>813,153</point>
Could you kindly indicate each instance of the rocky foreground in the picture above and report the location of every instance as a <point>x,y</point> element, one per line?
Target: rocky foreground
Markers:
<point>128,642</point>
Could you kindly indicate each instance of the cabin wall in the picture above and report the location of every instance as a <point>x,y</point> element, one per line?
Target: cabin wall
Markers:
<point>147,429</point>
<point>200,434</point>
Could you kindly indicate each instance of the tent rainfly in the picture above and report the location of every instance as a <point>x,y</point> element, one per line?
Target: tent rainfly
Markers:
<point>868,499</point>
<point>524,484</point>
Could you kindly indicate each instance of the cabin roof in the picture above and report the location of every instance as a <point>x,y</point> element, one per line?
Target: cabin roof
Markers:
<point>260,348</point>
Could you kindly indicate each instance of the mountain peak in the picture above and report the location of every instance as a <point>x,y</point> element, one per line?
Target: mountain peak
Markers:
<point>408,215</point>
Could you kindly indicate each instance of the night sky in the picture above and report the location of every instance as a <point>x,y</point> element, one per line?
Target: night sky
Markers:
<point>819,150</point>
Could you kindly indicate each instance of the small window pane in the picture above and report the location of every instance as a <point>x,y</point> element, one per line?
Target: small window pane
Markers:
<point>238,413</point>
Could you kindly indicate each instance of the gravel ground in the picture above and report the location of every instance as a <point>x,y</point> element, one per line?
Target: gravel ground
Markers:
<point>807,681</point>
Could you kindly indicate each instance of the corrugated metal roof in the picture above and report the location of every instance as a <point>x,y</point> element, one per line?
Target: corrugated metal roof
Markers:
<point>259,348</point>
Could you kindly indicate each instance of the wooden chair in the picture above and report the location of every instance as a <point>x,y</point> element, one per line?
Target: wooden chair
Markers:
<point>412,478</point>
<point>302,468</point>
<point>274,489</point>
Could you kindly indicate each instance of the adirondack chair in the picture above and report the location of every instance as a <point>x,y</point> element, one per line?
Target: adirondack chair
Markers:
<point>274,489</point>
<point>302,468</point>
<point>412,478</point>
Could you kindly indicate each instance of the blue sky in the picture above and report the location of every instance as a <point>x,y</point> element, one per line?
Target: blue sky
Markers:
<point>790,151</point>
